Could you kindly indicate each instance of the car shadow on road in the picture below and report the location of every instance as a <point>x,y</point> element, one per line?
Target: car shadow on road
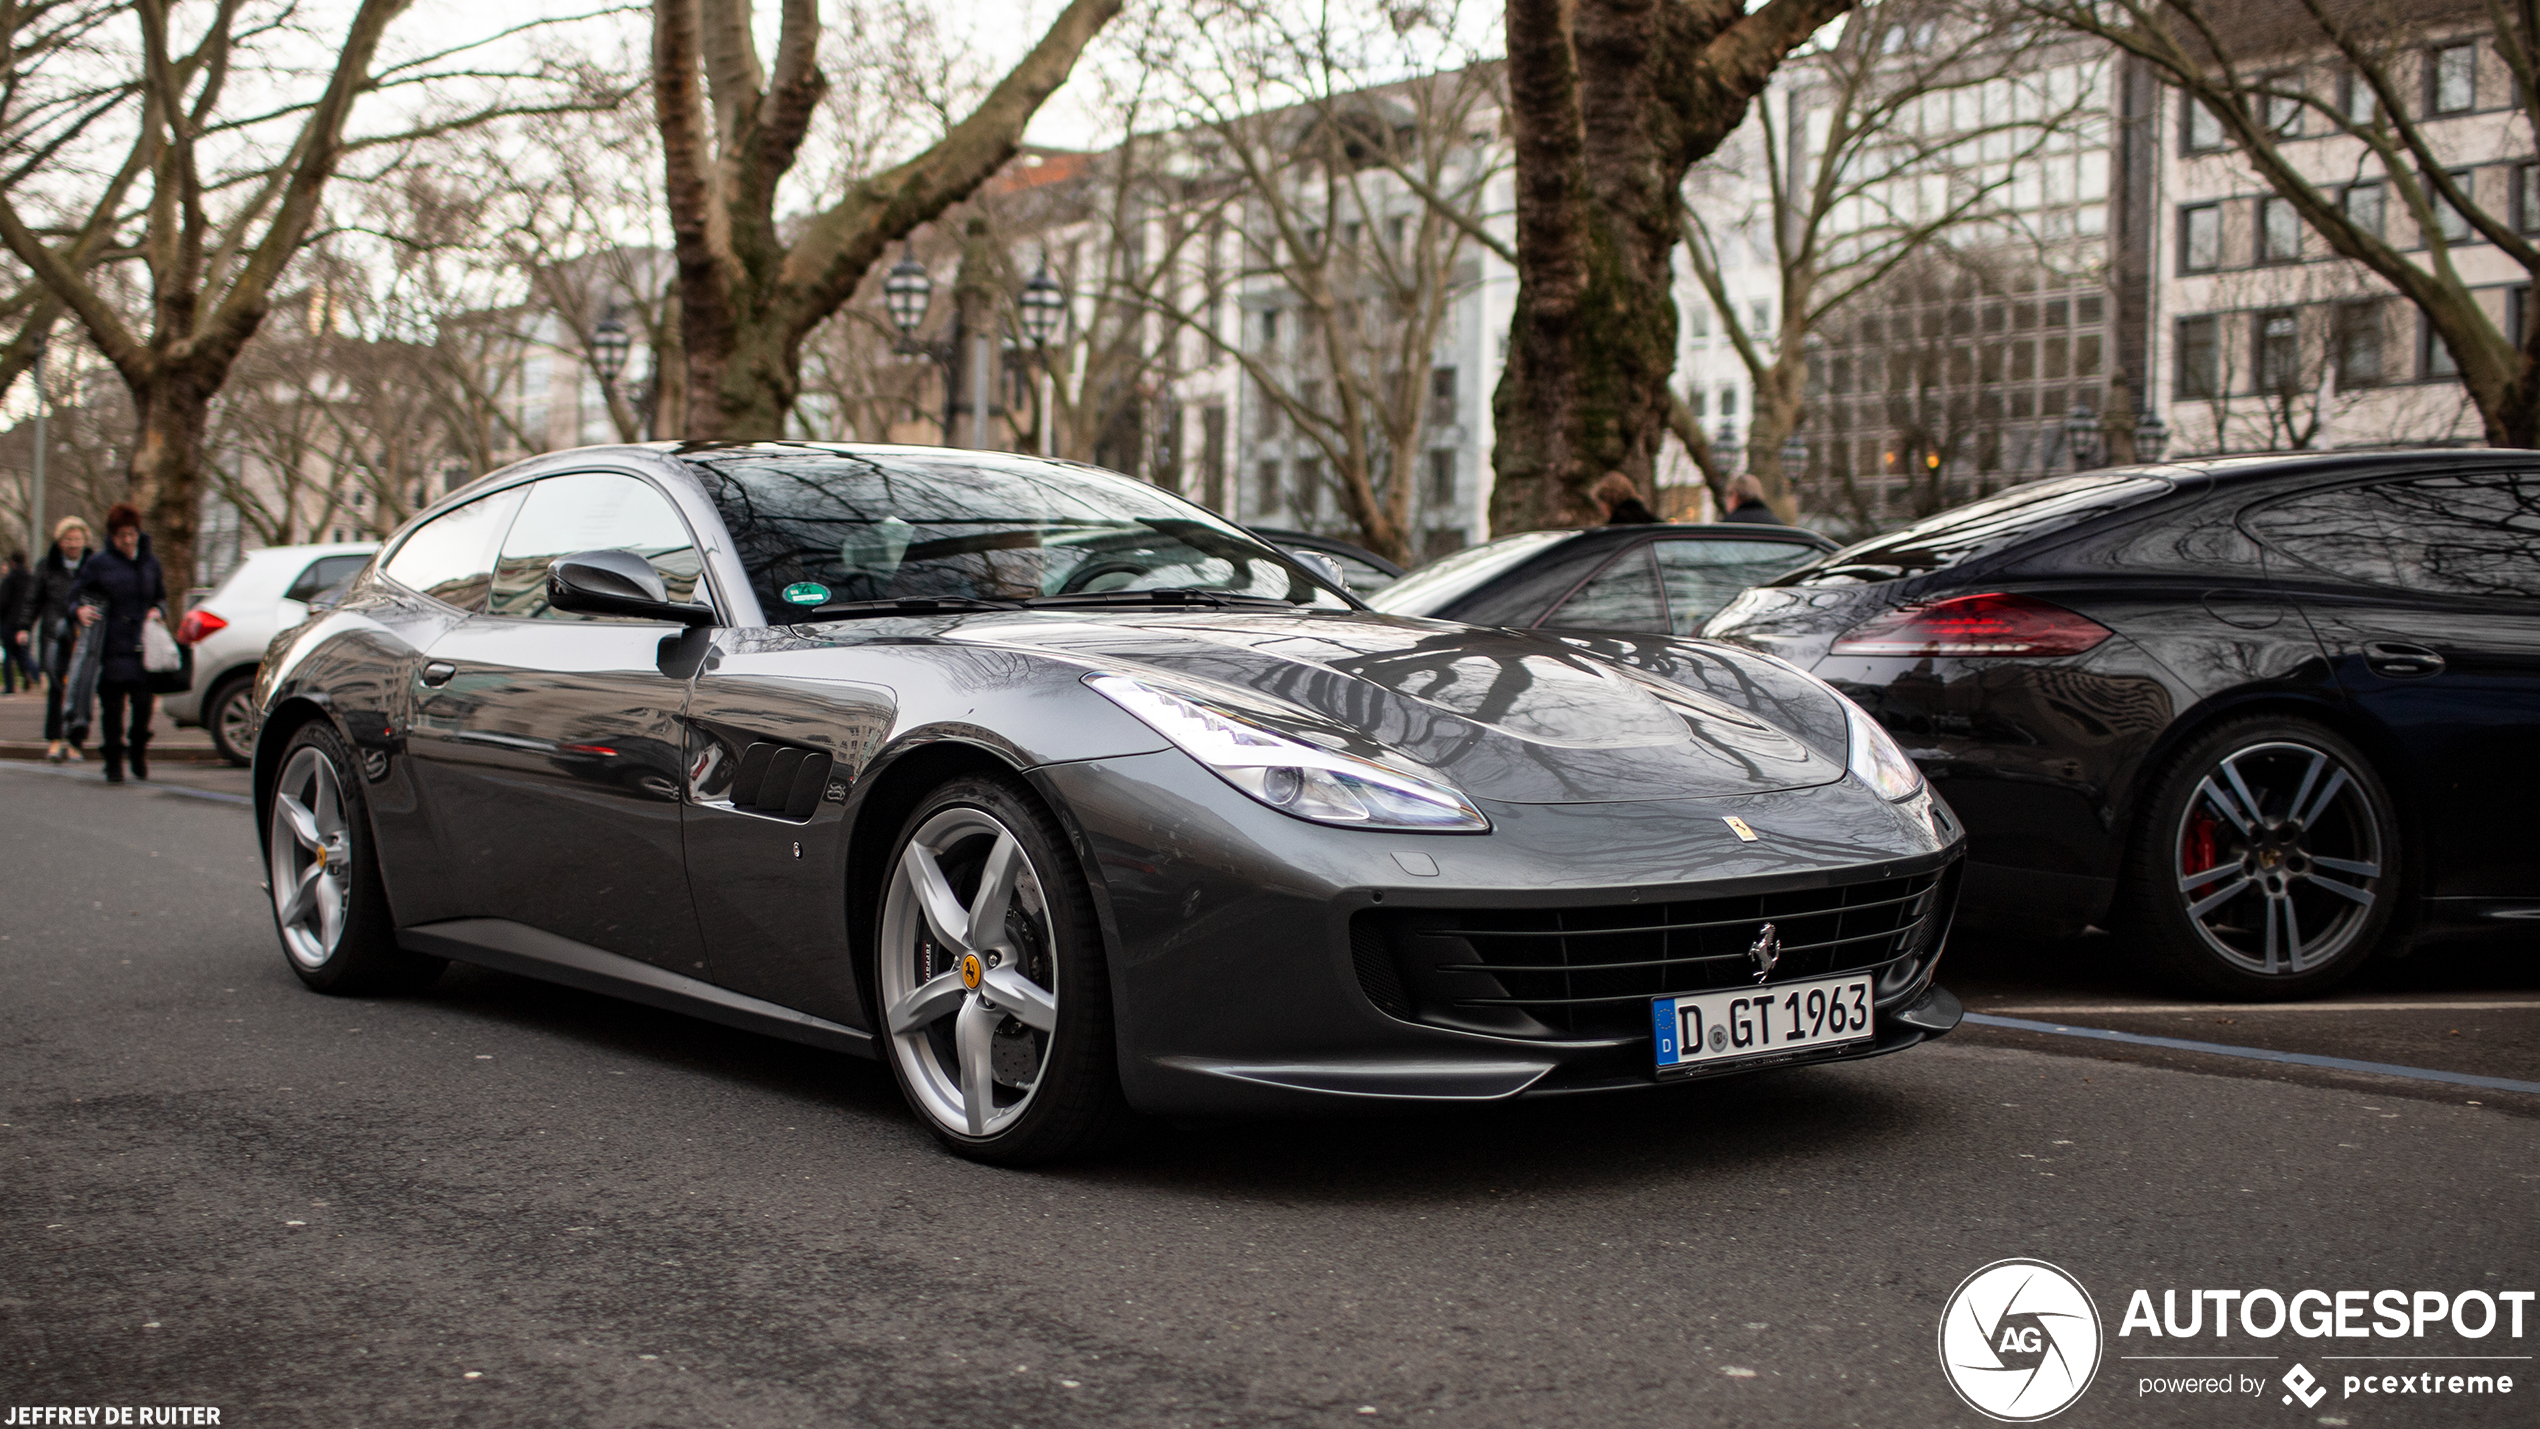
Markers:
<point>1782,1122</point>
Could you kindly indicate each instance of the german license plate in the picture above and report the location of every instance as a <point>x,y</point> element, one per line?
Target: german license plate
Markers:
<point>1704,1028</point>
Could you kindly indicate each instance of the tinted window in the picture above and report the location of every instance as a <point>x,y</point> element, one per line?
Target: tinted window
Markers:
<point>1980,529</point>
<point>590,511</point>
<point>1702,576</point>
<point>1450,578</point>
<point>2476,534</point>
<point>325,574</point>
<point>838,526</point>
<point>1623,596</point>
<point>451,556</point>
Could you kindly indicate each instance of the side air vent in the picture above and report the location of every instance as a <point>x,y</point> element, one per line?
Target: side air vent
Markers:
<point>780,781</point>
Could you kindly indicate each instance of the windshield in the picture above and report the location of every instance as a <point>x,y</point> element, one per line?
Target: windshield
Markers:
<point>1979,529</point>
<point>825,527</point>
<point>1437,584</point>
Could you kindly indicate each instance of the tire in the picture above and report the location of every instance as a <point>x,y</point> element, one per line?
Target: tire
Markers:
<point>330,908</point>
<point>1001,1040</point>
<point>2282,903</point>
<point>230,718</point>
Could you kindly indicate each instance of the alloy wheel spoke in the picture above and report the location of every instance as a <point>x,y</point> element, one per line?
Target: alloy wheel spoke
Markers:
<point>303,895</point>
<point>2310,777</point>
<point>2357,867</point>
<point>327,808</point>
<point>2198,880</point>
<point>926,1004</point>
<point>973,1028</point>
<point>2248,801</point>
<point>2274,902</point>
<point>2310,817</point>
<point>944,913</point>
<point>2214,900</point>
<point>1029,1002</point>
<point>302,824</point>
<point>328,896</point>
<point>2292,932</point>
<point>2343,890</point>
<point>2214,794</point>
<point>996,893</point>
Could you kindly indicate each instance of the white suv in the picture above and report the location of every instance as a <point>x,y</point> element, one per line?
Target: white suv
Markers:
<point>229,629</point>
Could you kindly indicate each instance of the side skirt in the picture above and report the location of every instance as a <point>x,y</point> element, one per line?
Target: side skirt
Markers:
<point>505,946</point>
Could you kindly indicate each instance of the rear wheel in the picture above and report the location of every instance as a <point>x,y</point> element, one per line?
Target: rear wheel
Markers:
<point>229,716</point>
<point>329,905</point>
<point>995,995</point>
<point>2267,864</point>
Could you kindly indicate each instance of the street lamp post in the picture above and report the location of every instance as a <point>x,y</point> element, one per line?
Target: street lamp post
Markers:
<point>970,342</point>
<point>35,514</point>
<point>1794,456</point>
<point>2151,436</point>
<point>1729,450</point>
<point>609,346</point>
<point>2081,434</point>
<point>1044,305</point>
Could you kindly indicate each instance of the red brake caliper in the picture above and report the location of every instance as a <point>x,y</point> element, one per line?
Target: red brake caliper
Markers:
<point>2196,851</point>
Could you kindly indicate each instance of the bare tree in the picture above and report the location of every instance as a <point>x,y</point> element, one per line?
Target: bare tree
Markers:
<point>2323,99</point>
<point>752,287</point>
<point>1903,132</point>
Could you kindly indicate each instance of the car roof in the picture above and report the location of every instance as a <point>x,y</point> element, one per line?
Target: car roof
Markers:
<point>1716,530</point>
<point>1281,535</point>
<point>2365,461</point>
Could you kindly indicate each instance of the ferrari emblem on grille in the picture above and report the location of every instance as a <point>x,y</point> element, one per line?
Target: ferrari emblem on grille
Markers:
<point>1738,827</point>
<point>1766,952</point>
<point>971,972</point>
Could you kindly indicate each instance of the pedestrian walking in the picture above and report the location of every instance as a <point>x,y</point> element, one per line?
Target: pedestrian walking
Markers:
<point>120,590</point>
<point>1619,497</point>
<point>17,607</point>
<point>1746,502</point>
<point>49,636</point>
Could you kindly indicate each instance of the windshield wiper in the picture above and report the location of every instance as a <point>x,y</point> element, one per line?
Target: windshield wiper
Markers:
<point>901,605</point>
<point>1171,595</point>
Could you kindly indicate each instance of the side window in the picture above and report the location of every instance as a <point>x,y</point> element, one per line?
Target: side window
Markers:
<point>2476,534</point>
<point>590,511</point>
<point>1702,576</point>
<point>1623,596</point>
<point>324,574</point>
<point>451,557</point>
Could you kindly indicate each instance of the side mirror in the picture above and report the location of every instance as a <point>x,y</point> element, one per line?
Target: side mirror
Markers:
<point>617,583</point>
<point>1321,565</point>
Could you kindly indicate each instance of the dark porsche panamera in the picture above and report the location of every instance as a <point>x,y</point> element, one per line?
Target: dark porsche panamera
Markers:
<point>1068,799</point>
<point>2267,713</point>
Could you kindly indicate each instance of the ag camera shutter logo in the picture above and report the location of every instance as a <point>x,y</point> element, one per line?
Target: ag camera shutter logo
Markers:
<point>2019,1341</point>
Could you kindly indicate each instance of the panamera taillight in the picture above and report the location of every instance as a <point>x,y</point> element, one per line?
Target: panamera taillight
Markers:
<point>1994,623</point>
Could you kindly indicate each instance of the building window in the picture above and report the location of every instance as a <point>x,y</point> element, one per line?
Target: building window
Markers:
<point>1270,330</point>
<point>2527,197</point>
<point>2199,356</point>
<point>2203,131</point>
<point>2451,79</point>
<point>2434,356</point>
<point>2451,222</point>
<point>2279,232</point>
<point>2364,205</point>
<point>2200,238</point>
<point>1442,395</point>
<point>1759,319</point>
<point>1442,476</point>
<point>1700,401</point>
<point>2275,336</point>
<point>2355,335</point>
<point>1265,494</point>
<point>2280,107</point>
<point>1698,318</point>
<point>2356,100</point>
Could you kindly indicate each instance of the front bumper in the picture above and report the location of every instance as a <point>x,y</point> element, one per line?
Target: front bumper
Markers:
<point>1233,980</point>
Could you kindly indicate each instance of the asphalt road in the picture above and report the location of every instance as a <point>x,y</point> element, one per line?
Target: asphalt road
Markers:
<point>505,1204</point>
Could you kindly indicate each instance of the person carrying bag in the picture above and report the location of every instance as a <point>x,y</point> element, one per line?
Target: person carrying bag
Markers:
<point>120,591</point>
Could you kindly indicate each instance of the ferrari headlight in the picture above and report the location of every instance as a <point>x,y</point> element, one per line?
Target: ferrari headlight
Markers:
<point>1290,774</point>
<point>1876,757</point>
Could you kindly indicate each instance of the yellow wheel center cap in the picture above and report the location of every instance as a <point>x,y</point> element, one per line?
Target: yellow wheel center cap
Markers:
<point>971,971</point>
<point>2270,859</point>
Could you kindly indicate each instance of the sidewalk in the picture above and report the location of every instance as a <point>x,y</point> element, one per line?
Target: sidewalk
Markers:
<point>22,733</point>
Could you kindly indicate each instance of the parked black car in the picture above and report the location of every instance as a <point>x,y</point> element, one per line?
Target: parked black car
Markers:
<point>1661,579</point>
<point>2268,713</point>
<point>1362,570</point>
<point>1063,797</point>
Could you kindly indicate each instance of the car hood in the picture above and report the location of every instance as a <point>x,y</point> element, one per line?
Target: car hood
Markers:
<point>1509,716</point>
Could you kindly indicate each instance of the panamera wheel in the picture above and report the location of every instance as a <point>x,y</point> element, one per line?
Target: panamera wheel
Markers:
<point>329,905</point>
<point>991,978</point>
<point>2268,866</point>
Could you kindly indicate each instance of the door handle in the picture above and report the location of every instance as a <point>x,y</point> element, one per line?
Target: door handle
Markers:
<point>2394,660</point>
<point>438,673</point>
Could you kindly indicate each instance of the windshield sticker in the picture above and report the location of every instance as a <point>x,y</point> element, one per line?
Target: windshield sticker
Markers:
<point>806,593</point>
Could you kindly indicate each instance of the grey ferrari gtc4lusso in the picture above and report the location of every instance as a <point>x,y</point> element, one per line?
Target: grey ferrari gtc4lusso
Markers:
<point>1069,800</point>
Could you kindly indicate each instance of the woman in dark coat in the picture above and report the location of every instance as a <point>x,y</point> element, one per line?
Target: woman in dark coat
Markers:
<point>17,607</point>
<point>121,586</point>
<point>49,636</point>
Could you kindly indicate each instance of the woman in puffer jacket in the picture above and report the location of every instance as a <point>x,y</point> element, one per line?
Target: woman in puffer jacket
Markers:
<point>121,587</point>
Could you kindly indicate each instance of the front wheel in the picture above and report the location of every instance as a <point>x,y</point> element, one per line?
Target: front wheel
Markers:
<point>995,995</point>
<point>329,905</point>
<point>2267,864</point>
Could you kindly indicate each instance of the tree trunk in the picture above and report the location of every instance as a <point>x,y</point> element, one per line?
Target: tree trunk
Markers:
<point>166,472</point>
<point>1610,102</point>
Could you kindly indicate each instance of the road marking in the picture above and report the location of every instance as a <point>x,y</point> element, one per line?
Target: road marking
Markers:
<point>2129,1009</point>
<point>2259,1054</point>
